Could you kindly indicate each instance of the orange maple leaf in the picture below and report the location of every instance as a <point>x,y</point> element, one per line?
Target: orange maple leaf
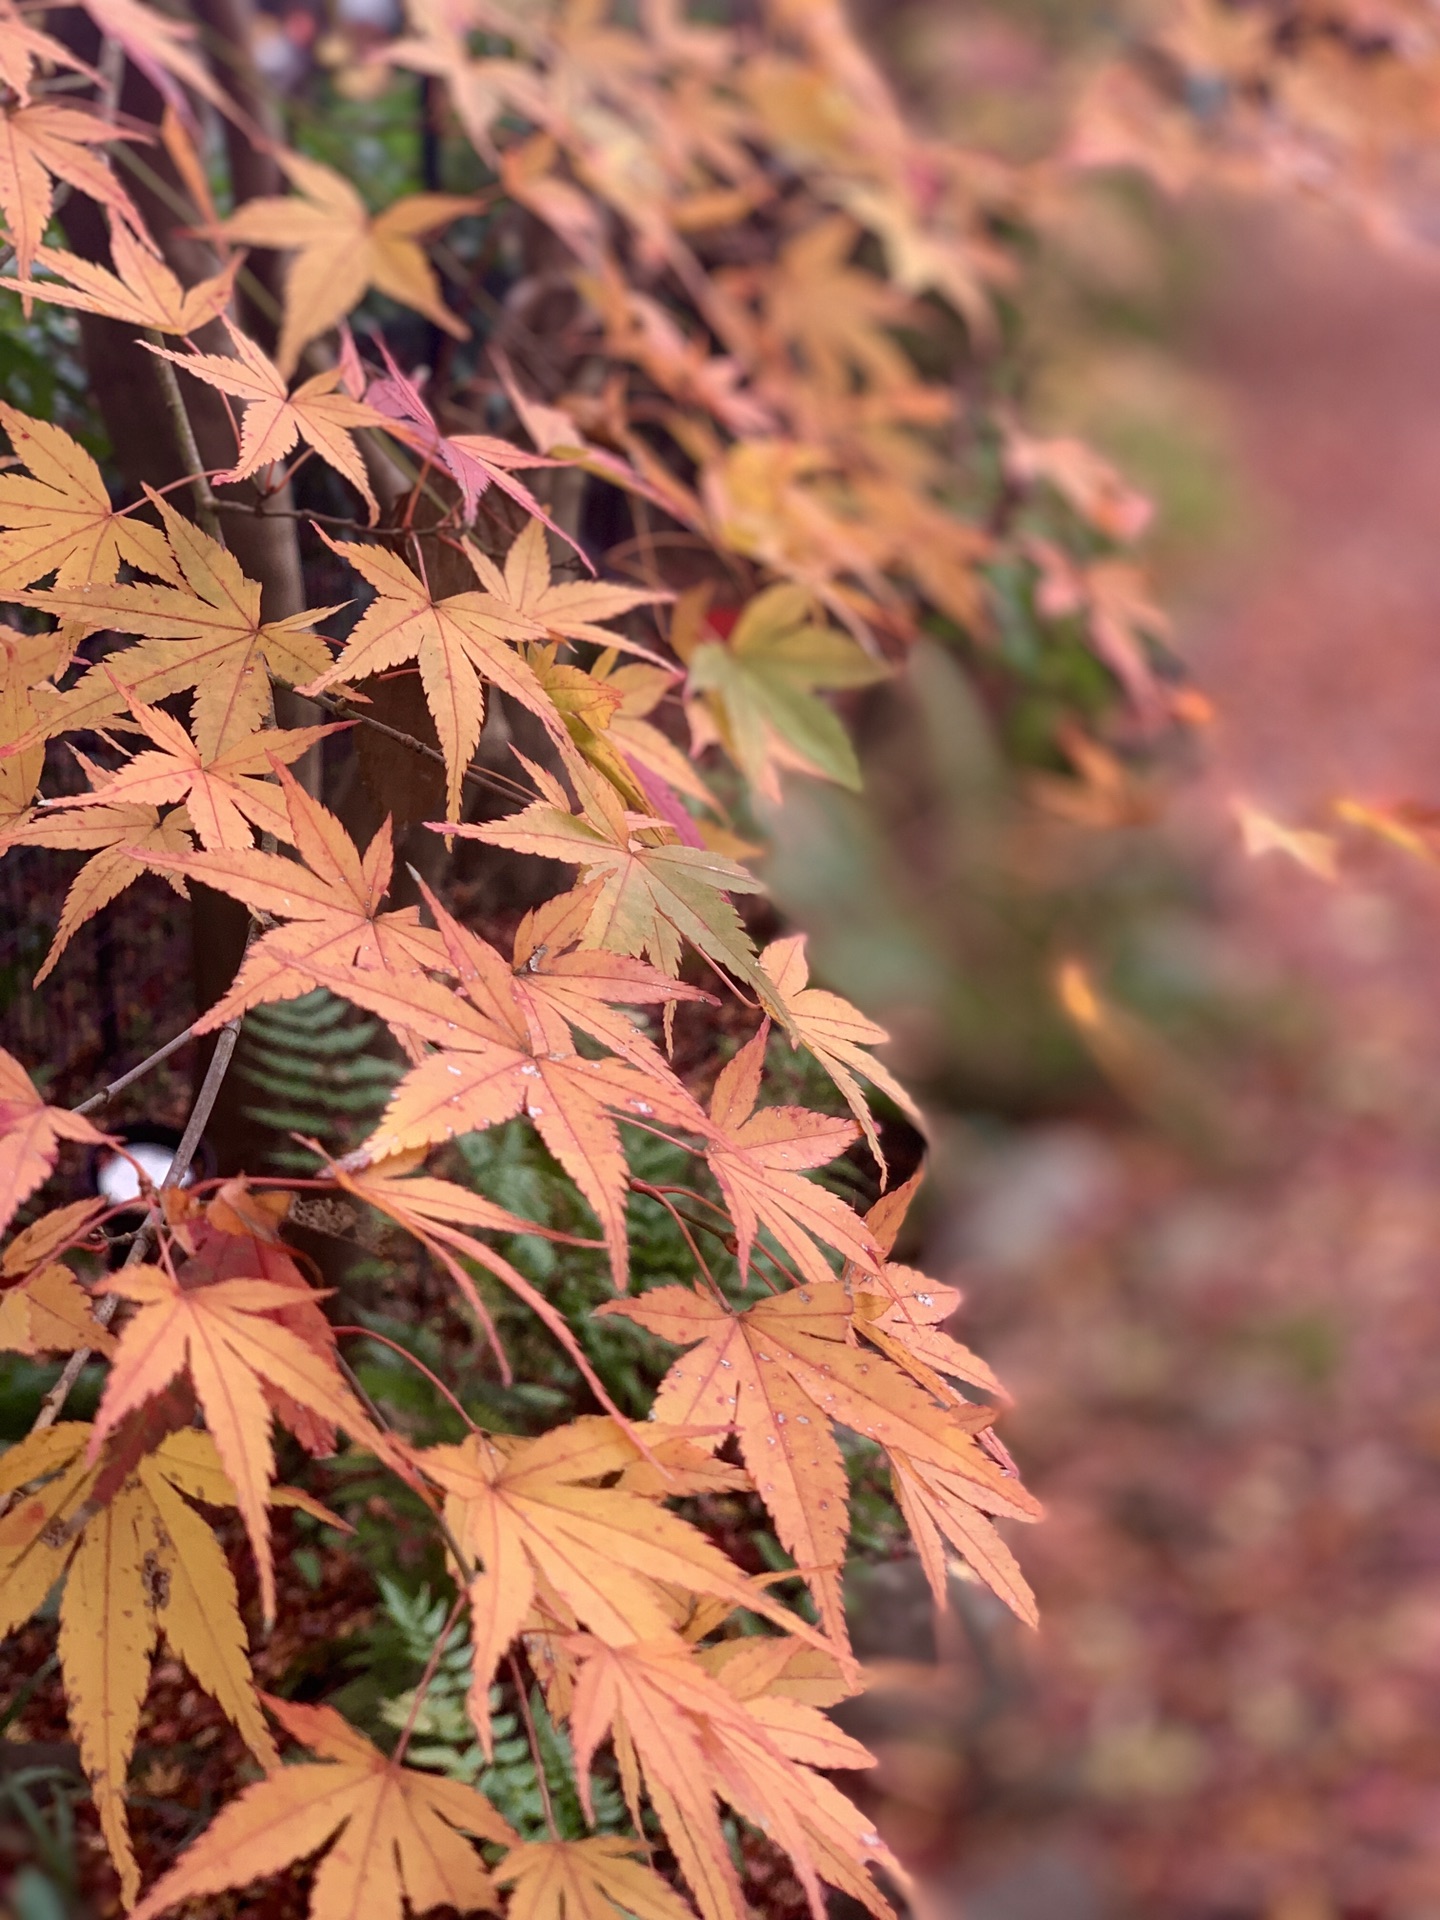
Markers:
<point>330,905</point>
<point>46,142</point>
<point>60,519</point>
<point>529,1513</point>
<point>339,250</point>
<point>493,1064</point>
<point>30,1136</point>
<point>208,634</point>
<point>227,1335</point>
<point>565,609</point>
<point>777,1375</point>
<point>225,794</point>
<point>838,1036</point>
<point>396,1832</point>
<point>275,419</point>
<point>694,1742</point>
<point>586,1880</point>
<point>21,45</point>
<point>141,291</point>
<point>757,1158</point>
<point>126,841</point>
<point>459,642</point>
<point>653,892</point>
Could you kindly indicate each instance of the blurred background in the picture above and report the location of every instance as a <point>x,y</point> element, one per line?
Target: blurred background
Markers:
<point>1195,1219</point>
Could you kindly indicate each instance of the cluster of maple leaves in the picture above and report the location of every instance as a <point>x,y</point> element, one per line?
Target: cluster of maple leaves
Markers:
<point>790,432</point>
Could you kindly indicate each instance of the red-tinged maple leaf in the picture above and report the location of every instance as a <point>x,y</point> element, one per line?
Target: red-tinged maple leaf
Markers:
<point>339,250</point>
<point>529,1513</point>
<point>493,1066</point>
<point>586,1880</point>
<point>139,1565</point>
<point>838,1036</point>
<point>393,1834</point>
<point>122,840</point>
<point>653,893</point>
<point>331,905</point>
<point>274,419</point>
<point>694,1743</point>
<point>229,1339</point>
<point>208,634</point>
<point>474,461</point>
<point>30,1136</point>
<point>160,48</point>
<point>225,795</point>
<point>21,45</point>
<point>60,519</point>
<point>777,1375</point>
<point>142,291</point>
<point>758,1157</point>
<point>41,144</point>
<point>459,642</point>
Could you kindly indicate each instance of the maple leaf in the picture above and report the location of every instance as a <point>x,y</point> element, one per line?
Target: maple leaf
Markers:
<point>59,517</point>
<point>30,1136</point>
<point>940,1506</point>
<point>208,634</point>
<point>756,693</point>
<point>529,1514</point>
<point>143,1565</point>
<point>227,1336</point>
<point>46,142</point>
<point>838,1035</point>
<point>834,313</point>
<point>693,1741</point>
<point>430,1210</point>
<point>330,904</point>
<point>567,609</point>
<point>493,1064</point>
<point>339,250</point>
<point>27,663</point>
<point>224,795</point>
<point>586,1880</point>
<point>757,1158</point>
<point>125,841</point>
<point>458,642</point>
<point>160,48</point>
<point>275,419</point>
<point>45,1309</point>
<point>901,1311</point>
<point>777,1375</point>
<point>474,461</point>
<point>21,45</point>
<point>396,1832</point>
<point>141,291</point>
<point>653,892</point>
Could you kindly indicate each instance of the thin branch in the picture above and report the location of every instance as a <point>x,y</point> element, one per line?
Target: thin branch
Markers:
<point>105,1094</point>
<point>205,511</point>
<point>368,1333</point>
<point>496,783</point>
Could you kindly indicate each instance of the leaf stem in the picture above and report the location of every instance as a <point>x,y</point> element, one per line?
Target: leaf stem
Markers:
<point>422,1685</point>
<point>368,1333</point>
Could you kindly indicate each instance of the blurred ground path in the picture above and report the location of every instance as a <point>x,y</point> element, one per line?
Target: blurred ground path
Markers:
<point>1229,1376</point>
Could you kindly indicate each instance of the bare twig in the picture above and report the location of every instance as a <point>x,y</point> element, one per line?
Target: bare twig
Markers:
<point>533,1736</point>
<point>476,776</point>
<point>205,503</point>
<point>105,1094</point>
